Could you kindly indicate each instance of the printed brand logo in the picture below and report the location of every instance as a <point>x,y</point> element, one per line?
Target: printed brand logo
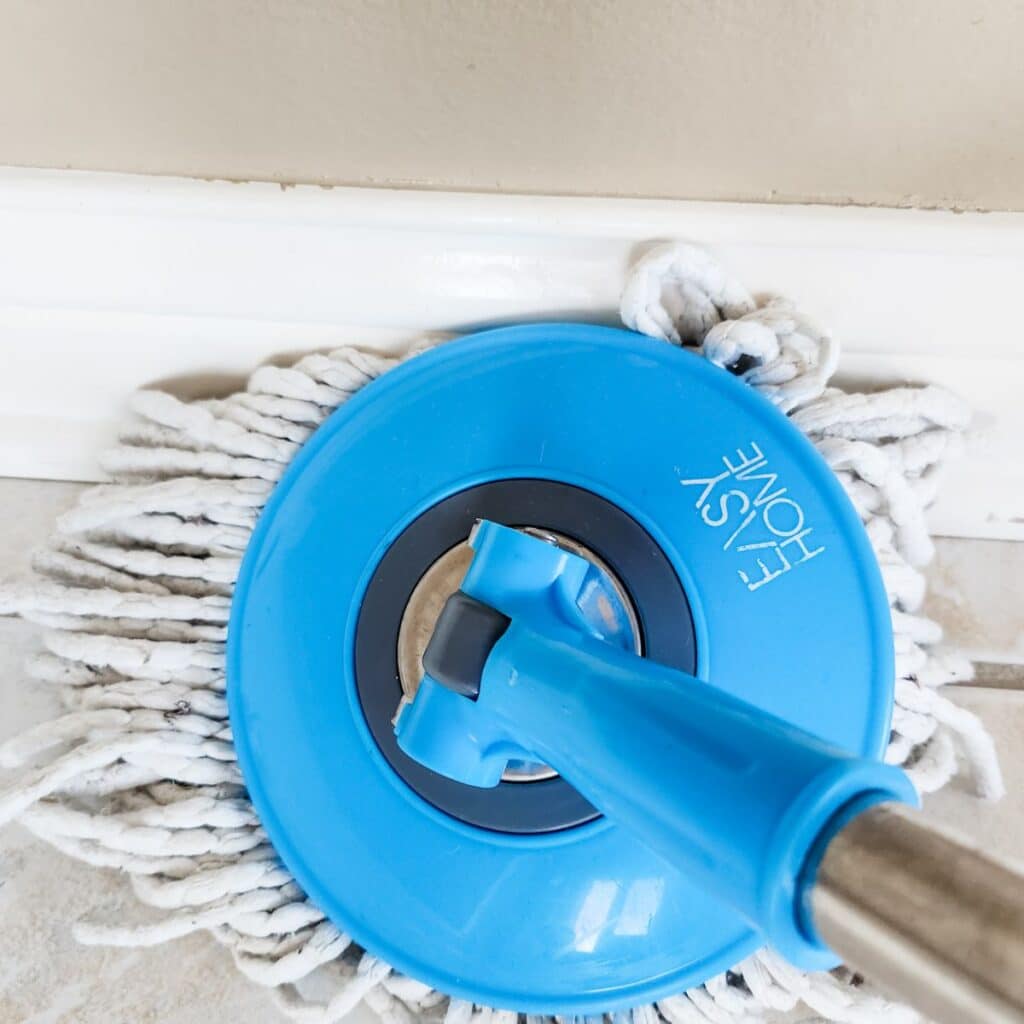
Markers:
<point>765,524</point>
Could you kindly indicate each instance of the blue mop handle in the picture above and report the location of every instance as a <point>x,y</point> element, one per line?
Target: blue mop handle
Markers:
<point>809,843</point>
<point>736,798</point>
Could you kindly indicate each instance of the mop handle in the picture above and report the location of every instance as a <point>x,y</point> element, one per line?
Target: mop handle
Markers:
<point>807,842</point>
<point>800,838</point>
<point>923,915</point>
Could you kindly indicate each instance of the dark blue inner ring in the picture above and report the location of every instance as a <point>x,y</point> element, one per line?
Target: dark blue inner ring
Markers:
<point>658,598</point>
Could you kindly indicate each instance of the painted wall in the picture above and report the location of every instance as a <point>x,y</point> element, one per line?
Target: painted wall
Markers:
<point>876,101</point>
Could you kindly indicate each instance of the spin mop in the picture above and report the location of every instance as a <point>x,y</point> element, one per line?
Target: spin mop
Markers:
<point>569,671</point>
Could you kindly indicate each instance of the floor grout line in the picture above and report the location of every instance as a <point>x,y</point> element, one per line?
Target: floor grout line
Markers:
<point>995,675</point>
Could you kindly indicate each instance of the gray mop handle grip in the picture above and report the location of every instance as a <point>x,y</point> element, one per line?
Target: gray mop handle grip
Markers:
<point>930,919</point>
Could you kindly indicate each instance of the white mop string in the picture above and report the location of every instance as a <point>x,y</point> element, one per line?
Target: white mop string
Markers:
<point>139,773</point>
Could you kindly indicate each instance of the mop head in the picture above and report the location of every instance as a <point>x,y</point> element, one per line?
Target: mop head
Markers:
<point>140,774</point>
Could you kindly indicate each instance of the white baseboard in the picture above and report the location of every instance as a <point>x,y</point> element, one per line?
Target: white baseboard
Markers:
<point>109,282</point>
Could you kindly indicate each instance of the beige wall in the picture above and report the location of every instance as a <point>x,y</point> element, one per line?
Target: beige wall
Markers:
<point>876,101</point>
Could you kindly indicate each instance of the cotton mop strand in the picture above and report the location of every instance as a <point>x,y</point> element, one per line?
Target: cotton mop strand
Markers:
<point>139,774</point>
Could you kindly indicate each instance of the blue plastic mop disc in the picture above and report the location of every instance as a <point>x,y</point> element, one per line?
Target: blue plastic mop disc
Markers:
<point>743,558</point>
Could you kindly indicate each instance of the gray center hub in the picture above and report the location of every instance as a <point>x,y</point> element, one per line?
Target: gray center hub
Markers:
<point>424,565</point>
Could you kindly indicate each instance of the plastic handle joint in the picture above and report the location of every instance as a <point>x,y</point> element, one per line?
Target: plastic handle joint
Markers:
<point>740,801</point>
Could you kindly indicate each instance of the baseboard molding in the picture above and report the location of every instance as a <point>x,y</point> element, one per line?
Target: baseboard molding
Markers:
<point>110,282</point>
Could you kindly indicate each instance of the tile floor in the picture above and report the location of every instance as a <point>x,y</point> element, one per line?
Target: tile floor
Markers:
<point>45,978</point>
